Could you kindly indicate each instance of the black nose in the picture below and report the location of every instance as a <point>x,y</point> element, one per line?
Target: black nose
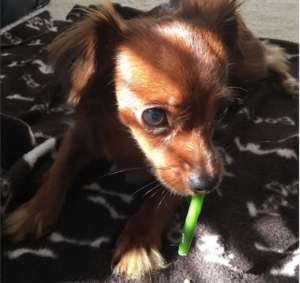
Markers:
<point>203,184</point>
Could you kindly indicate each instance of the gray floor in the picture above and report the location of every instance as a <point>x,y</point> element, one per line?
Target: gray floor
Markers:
<point>267,18</point>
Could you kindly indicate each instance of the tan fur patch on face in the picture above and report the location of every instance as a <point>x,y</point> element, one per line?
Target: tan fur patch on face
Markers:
<point>142,84</point>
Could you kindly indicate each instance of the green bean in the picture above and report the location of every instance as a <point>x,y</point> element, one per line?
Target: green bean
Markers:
<point>190,224</point>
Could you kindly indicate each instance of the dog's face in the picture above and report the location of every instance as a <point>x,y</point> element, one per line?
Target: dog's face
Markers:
<point>170,78</point>
<point>169,90</point>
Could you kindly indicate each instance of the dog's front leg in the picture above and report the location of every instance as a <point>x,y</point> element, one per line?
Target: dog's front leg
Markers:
<point>35,216</point>
<point>138,247</point>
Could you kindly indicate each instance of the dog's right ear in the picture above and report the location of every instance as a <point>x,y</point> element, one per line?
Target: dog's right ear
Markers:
<point>85,51</point>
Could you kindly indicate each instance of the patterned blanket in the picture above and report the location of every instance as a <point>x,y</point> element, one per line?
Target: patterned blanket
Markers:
<point>248,229</point>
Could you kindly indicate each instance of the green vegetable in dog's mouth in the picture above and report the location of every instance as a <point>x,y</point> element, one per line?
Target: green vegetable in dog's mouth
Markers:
<point>190,224</point>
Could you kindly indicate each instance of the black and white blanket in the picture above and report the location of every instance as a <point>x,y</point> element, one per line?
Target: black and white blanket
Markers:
<point>247,232</point>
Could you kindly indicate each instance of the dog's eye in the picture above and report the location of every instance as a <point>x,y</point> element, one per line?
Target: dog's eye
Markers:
<point>155,117</point>
<point>222,110</point>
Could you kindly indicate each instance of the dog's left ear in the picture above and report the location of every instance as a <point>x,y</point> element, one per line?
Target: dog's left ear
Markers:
<point>219,16</point>
<point>85,51</point>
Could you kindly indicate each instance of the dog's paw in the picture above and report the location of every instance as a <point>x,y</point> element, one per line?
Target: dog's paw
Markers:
<point>30,219</point>
<point>290,85</point>
<point>137,255</point>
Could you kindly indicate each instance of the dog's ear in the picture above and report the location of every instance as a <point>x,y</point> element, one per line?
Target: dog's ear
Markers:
<point>86,49</point>
<point>219,16</point>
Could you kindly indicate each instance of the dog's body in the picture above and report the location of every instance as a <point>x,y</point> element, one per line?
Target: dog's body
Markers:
<point>147,92</point>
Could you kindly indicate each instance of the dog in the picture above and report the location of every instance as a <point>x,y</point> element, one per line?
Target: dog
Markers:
<point>148,93</point>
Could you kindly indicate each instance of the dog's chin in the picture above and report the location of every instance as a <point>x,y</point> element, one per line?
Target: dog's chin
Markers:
<point>190,193</point>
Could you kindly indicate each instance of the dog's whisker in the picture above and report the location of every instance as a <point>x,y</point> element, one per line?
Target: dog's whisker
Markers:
<point>156,191</point>
<point>170,185</point>
<point>239,99</point>
<point>110,83</point>
<point>126,170</point>
<point>152,189</point>
<point>227,150</point>
<point>144,187</point>
<point>72,63</point>
<point>237,87</point>
<point>121,171</point>
<point>165,192</point>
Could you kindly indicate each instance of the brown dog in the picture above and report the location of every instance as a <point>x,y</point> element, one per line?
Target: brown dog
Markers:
<point>147,93</point>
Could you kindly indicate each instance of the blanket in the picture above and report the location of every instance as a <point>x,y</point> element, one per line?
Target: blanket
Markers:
<point>248,230</point>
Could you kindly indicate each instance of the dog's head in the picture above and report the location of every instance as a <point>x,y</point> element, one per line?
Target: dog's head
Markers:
<point>170,82</point>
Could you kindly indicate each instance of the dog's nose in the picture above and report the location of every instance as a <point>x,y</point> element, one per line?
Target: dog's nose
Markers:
<point>199,184</point>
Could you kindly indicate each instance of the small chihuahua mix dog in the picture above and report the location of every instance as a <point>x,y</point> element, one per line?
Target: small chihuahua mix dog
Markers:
<point>147,93</point>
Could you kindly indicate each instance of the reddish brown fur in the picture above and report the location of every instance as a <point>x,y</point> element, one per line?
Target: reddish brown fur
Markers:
<point>115,69</point>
